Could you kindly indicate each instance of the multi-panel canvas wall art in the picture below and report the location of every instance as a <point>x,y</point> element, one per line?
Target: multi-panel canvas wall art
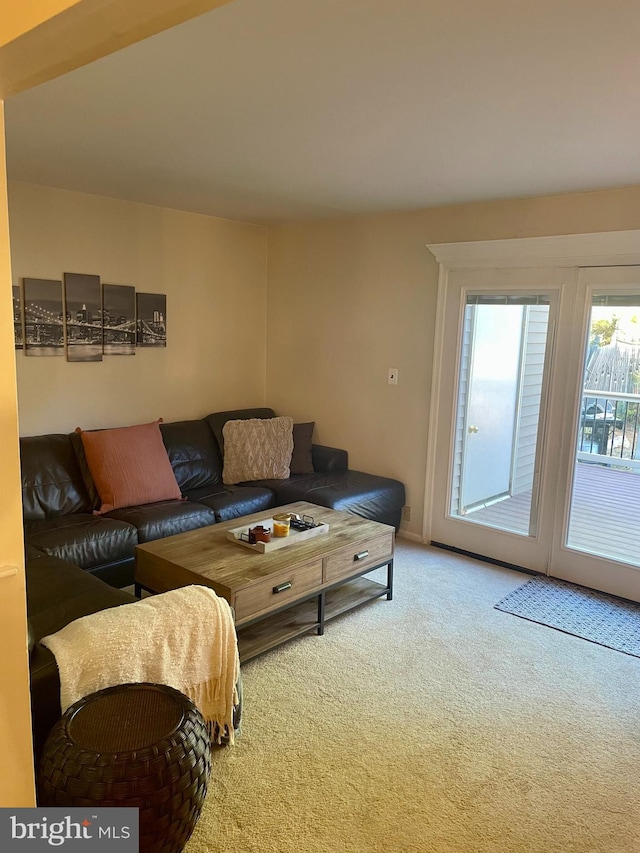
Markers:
<point>118,319</point>
<point>83,317</point>
<point>17,318</point>
<point>43,317</point>
<point>152,324</point>
<point>86,318</point>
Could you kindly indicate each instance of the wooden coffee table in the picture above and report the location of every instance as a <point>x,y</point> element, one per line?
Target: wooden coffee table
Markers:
<point>280,594</point>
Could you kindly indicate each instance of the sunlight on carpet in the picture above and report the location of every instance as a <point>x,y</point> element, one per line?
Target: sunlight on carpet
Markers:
<point>432,723</point>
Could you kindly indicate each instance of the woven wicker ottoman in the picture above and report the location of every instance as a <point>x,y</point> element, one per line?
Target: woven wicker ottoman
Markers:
<point>136,745</point>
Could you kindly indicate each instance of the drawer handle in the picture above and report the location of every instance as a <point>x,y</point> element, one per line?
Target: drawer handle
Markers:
<point>361,556</point>
<point>282,587</point>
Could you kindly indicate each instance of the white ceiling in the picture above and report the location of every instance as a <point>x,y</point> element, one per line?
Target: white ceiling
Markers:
<point>265,110</point>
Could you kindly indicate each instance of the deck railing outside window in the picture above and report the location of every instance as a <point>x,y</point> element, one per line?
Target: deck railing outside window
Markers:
<point>610,427</point>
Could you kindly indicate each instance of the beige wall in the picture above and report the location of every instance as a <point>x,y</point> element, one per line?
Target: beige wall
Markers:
<point>16,780</point>
<point>349,298</point>
<point>214,274</point>
<point>346,299</point>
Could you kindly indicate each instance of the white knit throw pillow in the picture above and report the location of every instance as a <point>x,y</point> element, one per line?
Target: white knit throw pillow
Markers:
<point>257,449</point>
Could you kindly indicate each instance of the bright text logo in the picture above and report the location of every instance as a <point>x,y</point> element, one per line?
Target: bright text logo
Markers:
<point>71,829</point>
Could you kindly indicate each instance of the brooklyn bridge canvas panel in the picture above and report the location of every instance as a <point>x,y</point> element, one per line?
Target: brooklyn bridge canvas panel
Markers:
<point>83,317</point>
<point>43,318</point>
<point>17,318</point>
<point>119,319</point>
<point>152,323</point>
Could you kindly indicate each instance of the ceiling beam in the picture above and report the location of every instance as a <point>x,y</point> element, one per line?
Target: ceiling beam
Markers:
<point>81,32</point>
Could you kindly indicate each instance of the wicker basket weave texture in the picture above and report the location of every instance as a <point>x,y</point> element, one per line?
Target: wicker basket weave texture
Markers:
<point>140,745</point>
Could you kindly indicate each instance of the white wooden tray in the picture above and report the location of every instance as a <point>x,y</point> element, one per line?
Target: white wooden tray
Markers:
<point>276,541</point>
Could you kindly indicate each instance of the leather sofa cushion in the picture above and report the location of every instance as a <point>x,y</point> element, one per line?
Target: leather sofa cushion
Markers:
<point>367,495</point>
<point>30,553</point>
<point>84,539</point>
<point>329,458</point>
<point>165,518</point>
<point>57,593</point>
<point>52,482</point>
<point>230,502</point>
<point>193,453</point>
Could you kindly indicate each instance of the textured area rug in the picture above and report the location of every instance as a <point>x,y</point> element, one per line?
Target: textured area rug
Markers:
<point>594,616</point>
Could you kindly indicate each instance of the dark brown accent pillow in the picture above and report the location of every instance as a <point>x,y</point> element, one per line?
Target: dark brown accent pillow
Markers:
<point>301,459</point>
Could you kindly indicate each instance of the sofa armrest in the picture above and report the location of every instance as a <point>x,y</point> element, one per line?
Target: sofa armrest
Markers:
<point>327,459</point>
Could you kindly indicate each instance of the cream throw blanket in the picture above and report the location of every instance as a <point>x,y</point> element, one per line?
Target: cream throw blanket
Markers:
<point>184,638</point>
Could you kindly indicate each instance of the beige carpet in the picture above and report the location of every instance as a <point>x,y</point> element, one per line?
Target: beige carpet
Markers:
<point>432,723</point>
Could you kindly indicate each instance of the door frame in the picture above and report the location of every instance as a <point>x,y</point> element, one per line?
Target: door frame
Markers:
<point>571,564</point>
<point>603,249</point>
<point>533,550</point>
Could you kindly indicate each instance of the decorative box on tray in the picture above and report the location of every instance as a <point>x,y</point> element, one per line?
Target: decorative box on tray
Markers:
<point>264,537</point>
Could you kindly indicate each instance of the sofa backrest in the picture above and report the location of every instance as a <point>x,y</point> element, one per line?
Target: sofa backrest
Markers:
<point>193,453</point>
<point>52,482</point>
<point>217,420</point>
<point>56,479</point>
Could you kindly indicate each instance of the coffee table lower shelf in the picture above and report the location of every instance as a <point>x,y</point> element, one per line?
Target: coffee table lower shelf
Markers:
<point>306,616</point>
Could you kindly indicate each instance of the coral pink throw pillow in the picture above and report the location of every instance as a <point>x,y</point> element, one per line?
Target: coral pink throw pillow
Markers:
<point>129,465</point>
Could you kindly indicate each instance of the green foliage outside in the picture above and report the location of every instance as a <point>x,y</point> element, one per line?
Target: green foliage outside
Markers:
<point>602,331</point>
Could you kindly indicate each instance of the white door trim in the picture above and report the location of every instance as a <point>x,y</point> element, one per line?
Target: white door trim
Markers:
<point>582,567</point>
<point>603,249</point>
<point>532,550</point>
<point>434,404</point>
<point>611,248</point>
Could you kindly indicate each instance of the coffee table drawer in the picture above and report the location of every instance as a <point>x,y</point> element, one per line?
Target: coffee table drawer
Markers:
<point>349,560</point>
<point>277,589</point>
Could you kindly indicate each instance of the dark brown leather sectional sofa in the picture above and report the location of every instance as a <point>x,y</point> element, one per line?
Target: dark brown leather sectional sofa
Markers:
<point>59,498</point>
<point>78,562</point>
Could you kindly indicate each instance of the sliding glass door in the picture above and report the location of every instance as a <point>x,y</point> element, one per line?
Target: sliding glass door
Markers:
<point>597,543</point>
<point>499,365</point>
<point>537,454</point>
<point>500,378</point>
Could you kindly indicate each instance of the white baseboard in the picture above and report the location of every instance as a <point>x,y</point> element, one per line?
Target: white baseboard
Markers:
<point>412,537</point>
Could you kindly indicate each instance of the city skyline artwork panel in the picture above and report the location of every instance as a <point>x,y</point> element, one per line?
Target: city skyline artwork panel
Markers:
<point>18,335</point>
<point>152,319</point>
<point>118,319</point>
<point>43,317</point>
<point>83,317</point>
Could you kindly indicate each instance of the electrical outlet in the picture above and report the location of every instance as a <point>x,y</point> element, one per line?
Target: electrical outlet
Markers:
<point>393,376</point>
<point>406,513</point>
